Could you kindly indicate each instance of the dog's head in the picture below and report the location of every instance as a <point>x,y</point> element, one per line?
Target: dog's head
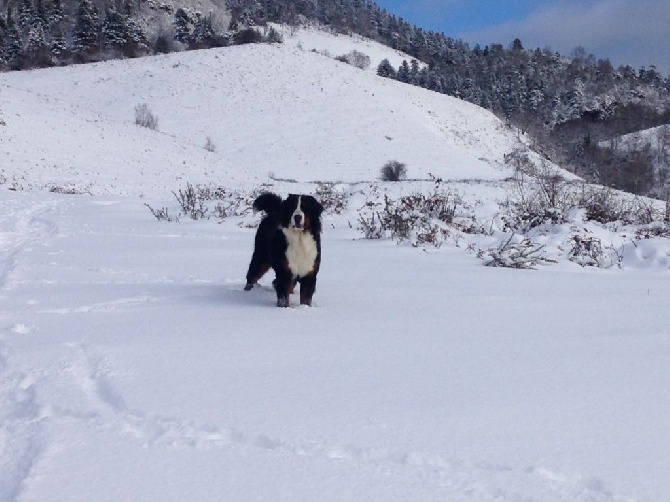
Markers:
<point>301,213</point>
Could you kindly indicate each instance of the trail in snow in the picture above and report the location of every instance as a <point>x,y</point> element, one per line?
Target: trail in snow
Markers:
<point>23,225</point>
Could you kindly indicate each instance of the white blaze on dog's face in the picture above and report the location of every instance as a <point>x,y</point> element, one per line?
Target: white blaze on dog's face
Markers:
<point>297,220</point>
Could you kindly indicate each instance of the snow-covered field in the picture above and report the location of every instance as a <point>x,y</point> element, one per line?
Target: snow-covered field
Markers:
<point>134,367</point>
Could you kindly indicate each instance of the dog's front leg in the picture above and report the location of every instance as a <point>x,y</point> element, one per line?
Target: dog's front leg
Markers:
<point>282,284</point>
<point>307,287</point>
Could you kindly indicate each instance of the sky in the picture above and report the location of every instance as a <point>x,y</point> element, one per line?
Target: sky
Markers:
<point>634,32</point>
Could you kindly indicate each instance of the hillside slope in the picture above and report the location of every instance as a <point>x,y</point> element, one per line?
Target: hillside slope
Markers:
<point>267,109</point>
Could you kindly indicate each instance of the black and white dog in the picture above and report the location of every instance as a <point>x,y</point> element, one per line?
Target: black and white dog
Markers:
<point>288,240</point>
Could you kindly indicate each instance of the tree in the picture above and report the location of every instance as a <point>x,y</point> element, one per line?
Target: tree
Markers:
<point>404,74</point>
<point>114,29</point>
<point>85,31</point>
<point>26,14</point>
<point>12,45</point>
<point>385,69</point>
<point>203,31</point>
<point>36,47</point>
<point>393,171</point>
<point>55,13</point>
<point>58,45</point>
<point>3,32</point>
<point>182,29</point>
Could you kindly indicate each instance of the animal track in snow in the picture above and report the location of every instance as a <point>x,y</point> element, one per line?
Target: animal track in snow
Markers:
<point>21,442</point>
<point>109,306</point>
<point>478,481</point>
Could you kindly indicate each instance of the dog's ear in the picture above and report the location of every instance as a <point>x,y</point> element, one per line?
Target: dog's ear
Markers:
<point>314,205</point>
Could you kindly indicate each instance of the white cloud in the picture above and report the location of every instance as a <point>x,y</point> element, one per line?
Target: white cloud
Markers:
<point>631,32</point>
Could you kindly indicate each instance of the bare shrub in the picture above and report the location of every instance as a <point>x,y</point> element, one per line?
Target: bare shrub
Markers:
<point>519,160</point>
<point>607,205</point>
<point>370,226</point>
<point>192,201</point>
<point>332,199</point>
<point>68,190</point>
<point>539,195</point>
<point>586,250</point>
<point>524,254</point>
<point>534,203</point>
<point>602,204</point>
<point>654,229</point>
<point>145,118</point>
<point>393,171</point>
<point>355,58</point>
<point>162,214</point>
<point>418,219</point>
<point>201,201</point>
<point>209,145</point>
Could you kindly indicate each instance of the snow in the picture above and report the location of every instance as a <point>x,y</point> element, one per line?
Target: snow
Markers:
<point>267,109</point>
<point>133,366</point>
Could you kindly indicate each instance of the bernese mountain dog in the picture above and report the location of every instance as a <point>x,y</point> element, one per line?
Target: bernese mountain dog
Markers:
<point>288,240</point>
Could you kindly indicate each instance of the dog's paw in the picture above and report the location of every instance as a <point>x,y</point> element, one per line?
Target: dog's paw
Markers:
<point>248,287</point>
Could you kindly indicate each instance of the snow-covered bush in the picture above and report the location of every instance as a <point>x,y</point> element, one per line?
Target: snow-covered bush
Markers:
<point>332,199</point>
<point>162,214</point>
<point>602,204</point>
<point>370,225</point>
<point>355,58</point>
<point>515,252</point>
<point>417,218</point>
<point>587,251</point>
<point>539,195</point>
<point>145,118</point>
<point>655,229</point>
<point>202,201</point>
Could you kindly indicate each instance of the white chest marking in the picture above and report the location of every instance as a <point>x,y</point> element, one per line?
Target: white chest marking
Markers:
<point>301,252</point>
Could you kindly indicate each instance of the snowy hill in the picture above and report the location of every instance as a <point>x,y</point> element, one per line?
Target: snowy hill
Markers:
<point>267,109</point>
<point>133,366</point>
<point>657,137</point>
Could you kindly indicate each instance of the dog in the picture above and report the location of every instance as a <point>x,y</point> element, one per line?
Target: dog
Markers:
<point>288,240</point>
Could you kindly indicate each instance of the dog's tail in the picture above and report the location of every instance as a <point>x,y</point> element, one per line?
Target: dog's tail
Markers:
<point>268,202</point>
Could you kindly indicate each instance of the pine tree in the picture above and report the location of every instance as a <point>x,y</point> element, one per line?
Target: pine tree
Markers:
<point>203,31</point>
<point>26,14</point>
<point>41,16</point>
<point>55,13</point>
<point>3,31</point>
<point>57,45</point>
<point>13,47</point>
<point>404,74</point>
<point>385,69</point>
<point>136,35</point>
<point>36,46</point>
<point>114,29</point>
<point>182,30</point>
<point>85,31</point>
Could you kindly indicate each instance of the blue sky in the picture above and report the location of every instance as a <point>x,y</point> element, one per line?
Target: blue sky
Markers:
<point>635,32</point>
